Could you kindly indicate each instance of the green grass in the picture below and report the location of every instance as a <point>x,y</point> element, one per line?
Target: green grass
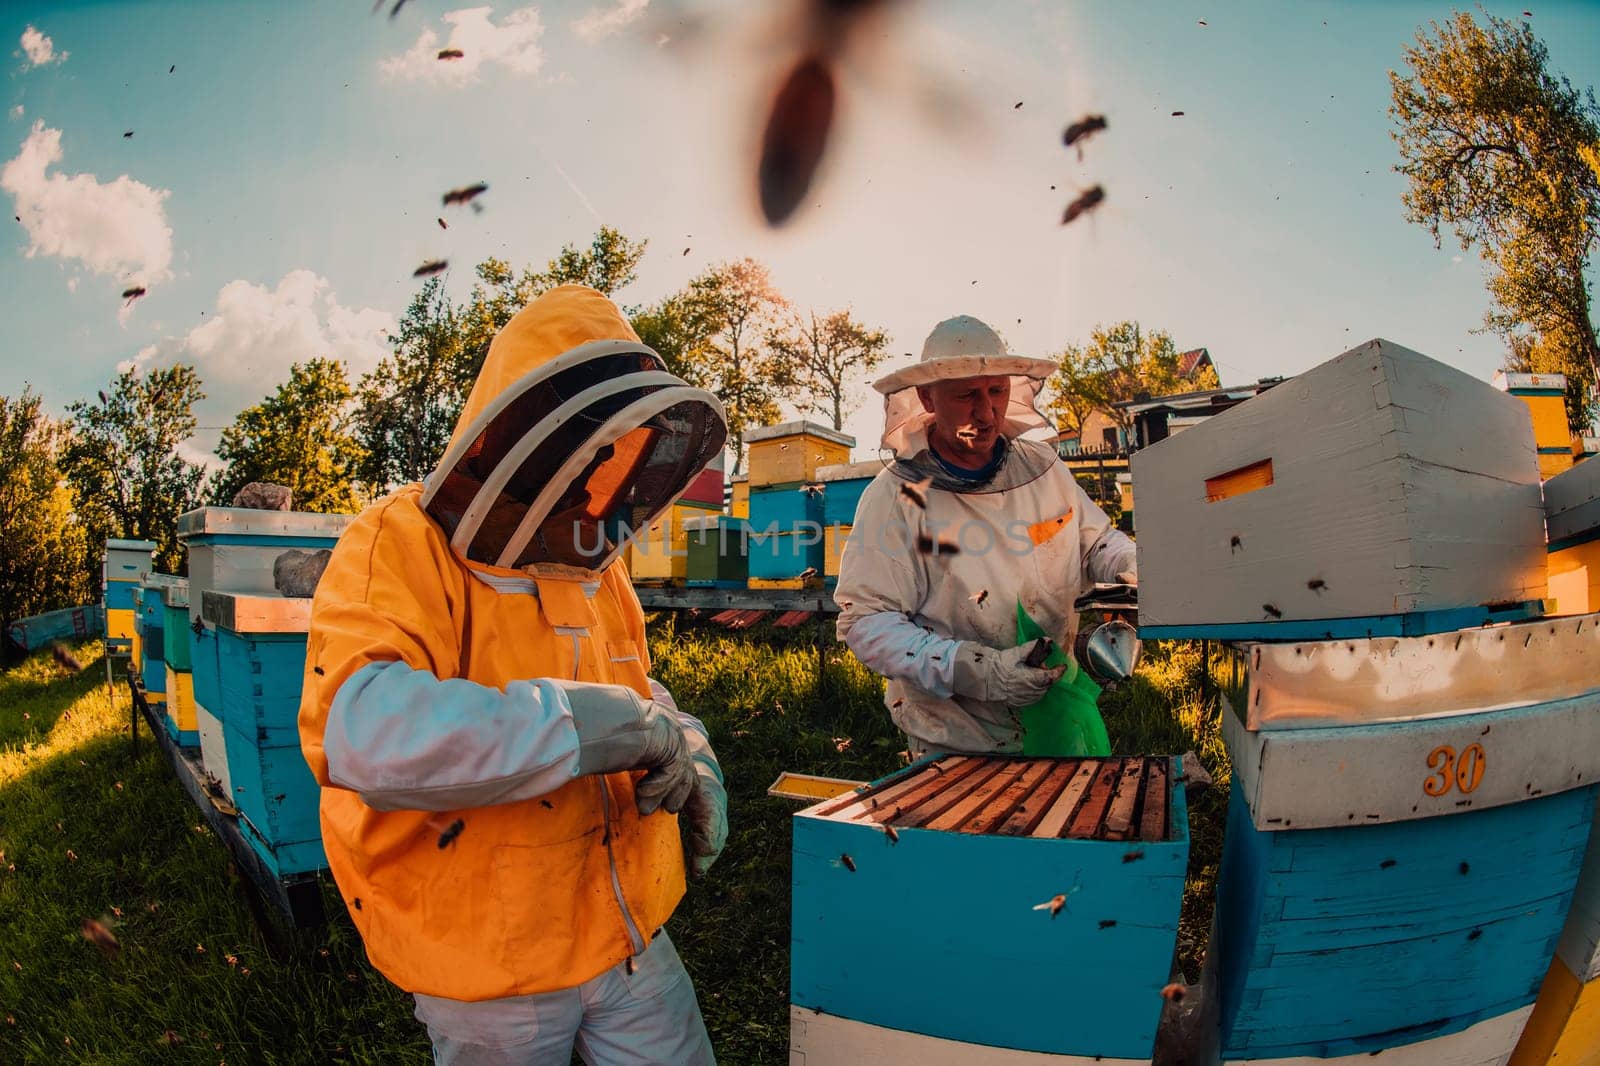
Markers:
<point>139,858</point>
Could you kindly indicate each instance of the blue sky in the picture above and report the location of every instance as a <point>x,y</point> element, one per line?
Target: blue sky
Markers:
<point>297,155</point>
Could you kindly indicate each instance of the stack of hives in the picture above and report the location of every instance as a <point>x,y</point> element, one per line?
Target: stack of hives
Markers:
<point>248,648</point>
<point>1413,754</point>
<point>988,909</point>
<point>786,504</point>
<point>124,565</point>
<point>152,660</point>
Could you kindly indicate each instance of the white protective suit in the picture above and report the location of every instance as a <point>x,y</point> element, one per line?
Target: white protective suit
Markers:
<point>1028,534</point>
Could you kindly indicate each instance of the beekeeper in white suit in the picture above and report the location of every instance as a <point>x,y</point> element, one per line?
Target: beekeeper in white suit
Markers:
<point>969,519</point>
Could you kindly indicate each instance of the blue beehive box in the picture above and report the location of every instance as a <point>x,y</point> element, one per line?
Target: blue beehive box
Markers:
<point>261,653</point>
<point>783,508</point>
<point>782,556</point>
<point>973,903</point>
<point>842,487</point>
<point>1395,884</point>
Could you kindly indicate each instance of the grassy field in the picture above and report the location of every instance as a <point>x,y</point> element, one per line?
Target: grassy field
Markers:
<point>89,832</point>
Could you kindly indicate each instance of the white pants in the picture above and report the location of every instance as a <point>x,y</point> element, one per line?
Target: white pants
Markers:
<point>647,1017</point>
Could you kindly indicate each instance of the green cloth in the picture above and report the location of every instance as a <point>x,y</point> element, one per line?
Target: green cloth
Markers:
<point>1067,720</point>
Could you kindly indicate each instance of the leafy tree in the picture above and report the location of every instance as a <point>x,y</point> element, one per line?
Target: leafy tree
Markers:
<point>1555,353</point>
<point>609,263</point>
<point>123,464</point>
<point>1502,151</point>
<point>736,306</point>
<point>680,330</point>
<point>828,353</point>
<point>407,407</point>
<point>301,436</point>
<point>43,552</point>
<point>1119,364</point>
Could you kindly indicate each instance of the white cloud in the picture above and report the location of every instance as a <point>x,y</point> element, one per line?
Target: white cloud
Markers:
<point>596,24</point>
<point>16,112</point>
<point>514,45</point>
<point>244,349</point>
<point>40,50</point>
<point>117,228</point>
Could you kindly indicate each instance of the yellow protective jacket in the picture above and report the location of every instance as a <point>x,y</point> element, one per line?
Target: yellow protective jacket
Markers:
<point>474,862</point>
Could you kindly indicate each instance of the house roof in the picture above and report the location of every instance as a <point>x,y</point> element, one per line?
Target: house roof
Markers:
<point>1191,361</point>
<point>1202,400</point>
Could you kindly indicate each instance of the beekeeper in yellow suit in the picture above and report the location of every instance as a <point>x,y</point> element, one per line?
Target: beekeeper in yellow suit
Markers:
<point>970,519</point>
<point>502,781</point>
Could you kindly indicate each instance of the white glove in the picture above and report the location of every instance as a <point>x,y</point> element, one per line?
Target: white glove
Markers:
<point>1001,676</point>
<point>706,812</point>
<point>620,730</point>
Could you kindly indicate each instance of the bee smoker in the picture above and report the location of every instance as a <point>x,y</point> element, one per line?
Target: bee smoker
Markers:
<point>1108,648</point>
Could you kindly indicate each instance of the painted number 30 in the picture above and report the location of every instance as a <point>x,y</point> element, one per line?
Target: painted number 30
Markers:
<point>1464,771</point>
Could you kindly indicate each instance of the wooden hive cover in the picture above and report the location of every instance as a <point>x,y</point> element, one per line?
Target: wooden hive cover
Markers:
<point>1077,799</point>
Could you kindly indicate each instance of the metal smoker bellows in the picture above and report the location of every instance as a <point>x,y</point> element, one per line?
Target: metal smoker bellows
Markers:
<point>1079,799</point>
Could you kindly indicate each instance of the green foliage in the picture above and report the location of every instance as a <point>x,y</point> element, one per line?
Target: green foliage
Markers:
<point>122,460</point>
<point>43,553</point>
<point>301,436</point>
<point>1501,151</point>
<point>828,354</point>
<point>1118,364</point>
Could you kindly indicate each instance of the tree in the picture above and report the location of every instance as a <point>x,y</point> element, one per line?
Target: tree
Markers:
<point>1074,391</point>
<point>300,437</point>
<point>680,330</point>
<point>1118,365</point>
<point>1500,150</point>
<point>408,405</point>
<point>43,552</point>
<point>1555,353</point>
<point>609,263</point>
<point>828,353</point>
<point>736,306</point>
<point>122,460</point>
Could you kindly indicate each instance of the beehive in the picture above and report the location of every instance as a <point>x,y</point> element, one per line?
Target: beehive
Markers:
<point>794,451</point>
<point>151,648</point>
<point>1565,1027</point>
<point>183,726</point>
<point>842,487</point>
<point>261,650</point>
<point>786,556</point>
<point>1368,850</point>
<point>69,623</point>
<point>785,508</point>
<point>706,488</point>
<point>232,549</point>
<point>1382,493</point>
<point>1546,398</point>
<point>739,496</point>
<point>136,648</point>
<point>175,624</point>
<point>123,565</point>
<point>719,553</point>
<point>1572,522</point>
<point>988,903</point>
<point>834,539</point>
<point>660,553</point>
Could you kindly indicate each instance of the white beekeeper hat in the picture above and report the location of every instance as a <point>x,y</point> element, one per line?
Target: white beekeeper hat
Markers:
<point>960,347</point>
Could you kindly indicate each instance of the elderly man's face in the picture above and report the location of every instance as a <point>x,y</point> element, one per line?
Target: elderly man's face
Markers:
<point>967,414</point>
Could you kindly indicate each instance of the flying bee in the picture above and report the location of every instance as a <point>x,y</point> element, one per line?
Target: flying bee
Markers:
<point>795,137</point>
<point>1234,544</point>
<point>97,933</point>
<point>849,863</point>
<point>442,223</point>
<point>133,292</point>
<point>808,572</point>
<point>1054,905</point>
<point>1271,610</point>
<point>466,194</point>
<point>1082,130</point>
<point>979,596</point>
<point>1084,203</point>
<point>812,488</point>
<point>1173,993</point>
<point>451,53</point>
<point>917,491</point>
<point>431,267</point>
<point>1133,856</point>
<point>65,658</point>
<point>452,831</point>
<point>929,546</point>
<point>892,833</point>
<point>1316,585</point>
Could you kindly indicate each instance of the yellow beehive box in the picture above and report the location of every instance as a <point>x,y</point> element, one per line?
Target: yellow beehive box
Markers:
<point>793,451</point>
<point>1572,523</point>
<point>661,552</point>
<point>119,623</point>
<point>813,582</point>
<point>833,541</point>
<point>1545,395</point>
<point>180,707</point>
<point>1564,1029</point>
<point>739,506</point>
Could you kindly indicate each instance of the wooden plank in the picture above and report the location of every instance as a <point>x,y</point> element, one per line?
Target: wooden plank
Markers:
<point>940,799</point>
<point>1366,774</point>
<point>1001,807</point>
<point>1086,822</point>
<point>852,807</point>
<point>881,808</point>
<point>1153,815</point>
<point>1037,804</point>
<point>1119,816</point>
<point>818,1039</point>
<point>723,617</point>
<point>1067,803</point>
<point>790,619</point>
<point>956,816</point>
